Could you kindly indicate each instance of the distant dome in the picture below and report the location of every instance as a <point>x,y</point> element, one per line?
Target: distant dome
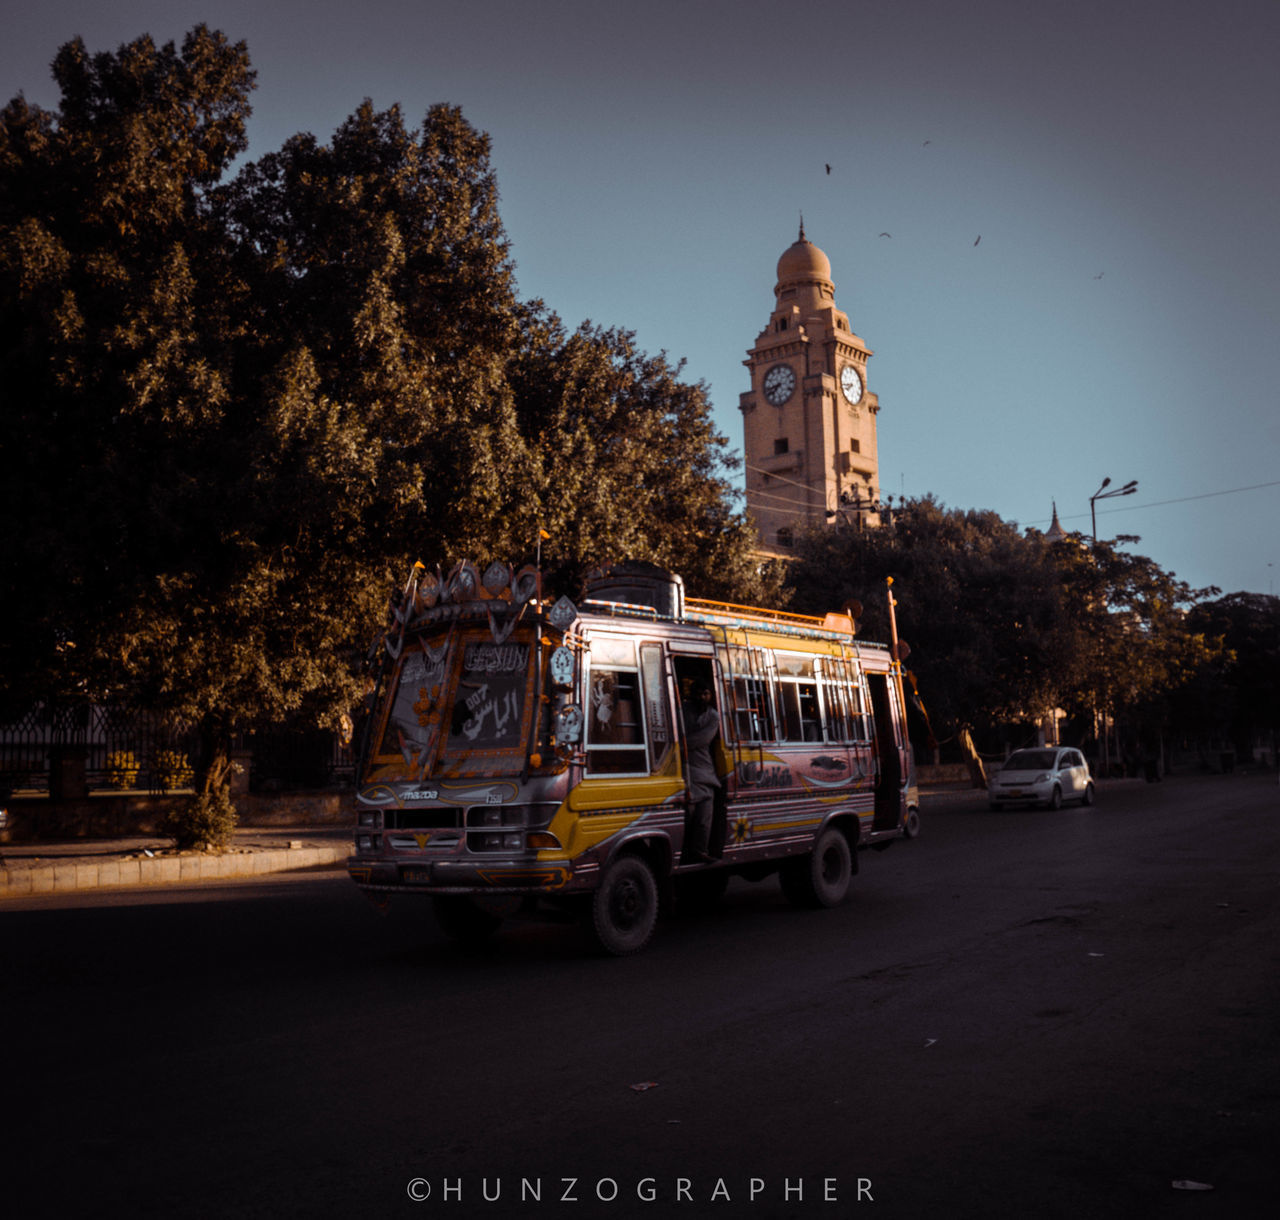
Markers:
<point>802,260</point>
<point>1055,532</point>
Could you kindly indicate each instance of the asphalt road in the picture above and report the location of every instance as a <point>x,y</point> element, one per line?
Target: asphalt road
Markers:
<point>1020,1014</point>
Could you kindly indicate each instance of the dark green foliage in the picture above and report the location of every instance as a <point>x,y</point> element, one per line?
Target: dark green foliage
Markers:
<point>112,356</point>
<point>236,411</point>
<point>980,606</point>
<point>628,463</point>
<point>206,821</point>
<point>1005,626</point>
<point>1234,695</point>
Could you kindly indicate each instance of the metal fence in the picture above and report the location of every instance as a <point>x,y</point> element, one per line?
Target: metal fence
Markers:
<point>129,750</point>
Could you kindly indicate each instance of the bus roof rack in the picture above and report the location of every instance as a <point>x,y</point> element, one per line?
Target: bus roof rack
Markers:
<point>698,610</point>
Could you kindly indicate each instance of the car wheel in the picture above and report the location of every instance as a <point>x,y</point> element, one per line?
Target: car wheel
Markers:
<point>1055,801</point>
<point>624,908</point>
<point>1089,795</point>
<point>820,879</point>
<point>911,827</point>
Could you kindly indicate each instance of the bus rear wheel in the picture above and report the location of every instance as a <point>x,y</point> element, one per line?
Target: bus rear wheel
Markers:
<point>820,879</point>
<point>624,908</point>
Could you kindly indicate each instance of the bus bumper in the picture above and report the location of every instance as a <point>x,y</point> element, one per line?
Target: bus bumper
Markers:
<point>460,876</point>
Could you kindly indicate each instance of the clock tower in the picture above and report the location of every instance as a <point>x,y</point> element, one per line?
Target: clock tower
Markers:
<point>809,421</point>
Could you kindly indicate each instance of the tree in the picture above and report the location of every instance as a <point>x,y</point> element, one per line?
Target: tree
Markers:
<point>979,604</point>
<point>112,351</point>
<point>627,463</point>
<point>366,419</point>
<point>1134,641</point>
<point>1235,694</point>
<point>1005,627</point>
<point>237,410</point>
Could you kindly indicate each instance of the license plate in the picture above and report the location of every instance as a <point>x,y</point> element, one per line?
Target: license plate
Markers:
<point>418,876</point>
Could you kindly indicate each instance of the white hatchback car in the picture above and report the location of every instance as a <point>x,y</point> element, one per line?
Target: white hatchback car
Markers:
<point>1047,776</point>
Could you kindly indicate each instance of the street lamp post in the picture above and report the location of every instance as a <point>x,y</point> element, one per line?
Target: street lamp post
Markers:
<point>1101,494</point>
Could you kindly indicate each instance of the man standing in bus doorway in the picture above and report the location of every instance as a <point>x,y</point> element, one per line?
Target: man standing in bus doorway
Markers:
<point>701,725</point>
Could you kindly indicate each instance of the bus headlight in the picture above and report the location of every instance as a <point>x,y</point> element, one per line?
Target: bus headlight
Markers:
<point>496,840</point>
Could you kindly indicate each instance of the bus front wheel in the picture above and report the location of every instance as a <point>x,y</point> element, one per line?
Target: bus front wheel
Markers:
<point>820,879</point>
<point>624,908</point>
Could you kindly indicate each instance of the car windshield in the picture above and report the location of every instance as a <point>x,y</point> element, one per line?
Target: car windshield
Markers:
<point>1030,760</point>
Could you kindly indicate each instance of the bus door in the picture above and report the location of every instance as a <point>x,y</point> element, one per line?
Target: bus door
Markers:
<point>690,669</point>
<point>889,770</point>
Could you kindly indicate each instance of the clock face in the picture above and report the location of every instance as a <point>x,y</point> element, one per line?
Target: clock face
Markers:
<point>779,381</point>
<point>850,384</point>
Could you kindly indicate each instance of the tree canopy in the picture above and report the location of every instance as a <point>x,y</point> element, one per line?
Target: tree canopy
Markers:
<point>1007,626</point>
<point>238,407</point>
<point>1234,693</point>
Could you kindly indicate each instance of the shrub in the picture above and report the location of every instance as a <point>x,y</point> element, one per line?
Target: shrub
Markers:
<point>207,821</point>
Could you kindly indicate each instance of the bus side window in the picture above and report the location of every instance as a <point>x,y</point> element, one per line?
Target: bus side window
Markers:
<point>810,716</point>
<point>751,709</point>
<point>661,740</point>
<point>615,730</point>
<point>802,720</point>
<point>835,696</point>
<point>845,693</point>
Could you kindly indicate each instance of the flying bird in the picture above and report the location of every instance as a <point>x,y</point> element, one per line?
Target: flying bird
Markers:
<point>926,144</point>
<point>1099,275</point>
<point>977,239</point>
<point>828,167</point>
<point>886,234</point>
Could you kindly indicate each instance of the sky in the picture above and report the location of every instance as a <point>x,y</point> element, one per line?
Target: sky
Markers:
<point>1117,159</point>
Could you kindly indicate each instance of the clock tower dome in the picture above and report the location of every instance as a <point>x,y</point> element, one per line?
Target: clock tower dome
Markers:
<point>809,421</point>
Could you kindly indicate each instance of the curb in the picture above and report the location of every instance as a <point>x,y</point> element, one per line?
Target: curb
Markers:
<point>79,874</point>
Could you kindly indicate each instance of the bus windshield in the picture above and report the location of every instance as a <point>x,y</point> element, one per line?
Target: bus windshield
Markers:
<point>462,705</point>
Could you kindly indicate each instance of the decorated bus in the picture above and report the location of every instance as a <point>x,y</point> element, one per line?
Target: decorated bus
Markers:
<point>520,750</point>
